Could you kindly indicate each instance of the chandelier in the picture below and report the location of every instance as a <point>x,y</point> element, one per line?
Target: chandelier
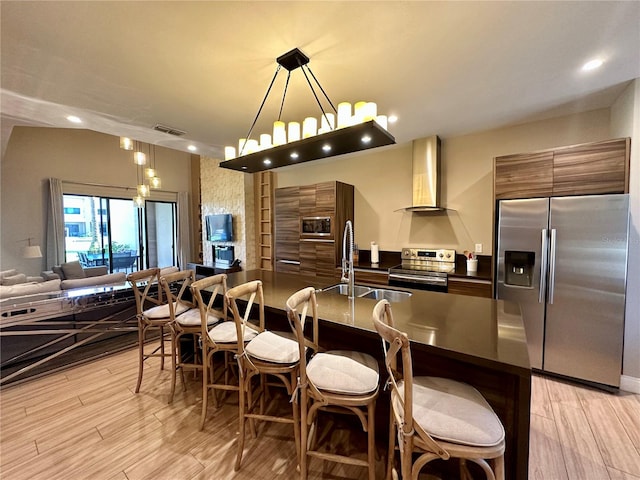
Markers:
<point>147,178</point>
<point>340,130</point>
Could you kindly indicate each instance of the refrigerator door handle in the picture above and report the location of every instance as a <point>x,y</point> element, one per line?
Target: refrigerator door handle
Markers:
<point>552,266</point>
<point>543,264</point>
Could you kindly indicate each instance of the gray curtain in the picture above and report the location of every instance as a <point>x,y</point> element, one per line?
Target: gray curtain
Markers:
<point>184,237</point>
<point>55,225</point>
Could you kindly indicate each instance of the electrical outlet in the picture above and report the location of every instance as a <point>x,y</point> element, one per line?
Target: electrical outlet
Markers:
<point>478,248</point>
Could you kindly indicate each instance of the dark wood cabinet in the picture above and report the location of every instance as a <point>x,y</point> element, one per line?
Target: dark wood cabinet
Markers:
<point>311,256</point>
<point>524,175</point>
<point>287,229</point>
<point>587,169</point>
<point>470,286</point>
<point>376,277</point>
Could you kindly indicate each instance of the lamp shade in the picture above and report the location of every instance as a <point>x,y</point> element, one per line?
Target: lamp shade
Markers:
<point>32,251</point>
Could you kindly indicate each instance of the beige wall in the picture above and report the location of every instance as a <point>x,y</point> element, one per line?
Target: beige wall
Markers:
<point>73,155</point>
<point>625,122</point>
<point>382,180</point>
<point>227,191</point>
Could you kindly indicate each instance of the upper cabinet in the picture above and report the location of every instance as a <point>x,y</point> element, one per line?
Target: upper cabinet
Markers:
<point>592,168</point>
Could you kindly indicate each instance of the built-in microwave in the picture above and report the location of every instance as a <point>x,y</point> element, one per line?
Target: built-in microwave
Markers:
<point>316,227</point>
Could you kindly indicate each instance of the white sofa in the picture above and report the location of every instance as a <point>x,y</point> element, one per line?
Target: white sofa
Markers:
<point>63,277</point>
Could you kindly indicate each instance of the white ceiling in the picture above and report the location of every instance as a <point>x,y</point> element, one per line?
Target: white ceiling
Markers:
<point>448,68</point>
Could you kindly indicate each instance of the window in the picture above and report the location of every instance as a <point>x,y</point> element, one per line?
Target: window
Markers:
<point>113,232</point>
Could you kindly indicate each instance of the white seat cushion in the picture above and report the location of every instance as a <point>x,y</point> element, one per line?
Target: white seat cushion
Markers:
<point>191,318</point>
<point>455,412</point>
<point>342,371</point>
<point>225,332</point>
<point>162,311</point>
<point>271,347</point>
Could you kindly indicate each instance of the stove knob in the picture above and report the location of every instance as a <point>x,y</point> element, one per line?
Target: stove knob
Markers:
<point>441,255</point>
<point>448,255</point>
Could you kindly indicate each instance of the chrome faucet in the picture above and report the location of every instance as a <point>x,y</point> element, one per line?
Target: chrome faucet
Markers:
<point>347,259</point>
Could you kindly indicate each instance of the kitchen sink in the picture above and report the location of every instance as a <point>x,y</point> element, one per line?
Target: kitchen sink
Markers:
<point>389,295</point>
<point>367,292</point>
<point>342,289</point>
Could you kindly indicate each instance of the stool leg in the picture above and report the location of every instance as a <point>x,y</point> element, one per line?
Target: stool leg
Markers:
<point>296,415</point>
<point>141,332</point>
<point>205,385</point>
<point>392,445</point>
<point>371,437</point>
<point>162,347</point>
<point>303,434</point>
<point>173,364</point>
<point>241,419</point>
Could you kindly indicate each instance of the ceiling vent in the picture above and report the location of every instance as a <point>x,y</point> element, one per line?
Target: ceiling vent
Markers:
<point>169,130</point>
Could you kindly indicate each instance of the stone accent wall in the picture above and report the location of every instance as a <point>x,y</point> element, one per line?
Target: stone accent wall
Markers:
<point>228,191</point>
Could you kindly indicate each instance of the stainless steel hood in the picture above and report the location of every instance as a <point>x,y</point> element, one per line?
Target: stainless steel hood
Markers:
<point>426,175</point>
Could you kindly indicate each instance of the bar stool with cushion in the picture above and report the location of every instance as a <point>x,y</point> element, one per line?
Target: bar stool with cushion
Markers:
<point>335,381</point>
<point>221,338</point>
<point>268,354</point>
<point>185,319</point>
<point>152,314</point>
<point>435,417</point>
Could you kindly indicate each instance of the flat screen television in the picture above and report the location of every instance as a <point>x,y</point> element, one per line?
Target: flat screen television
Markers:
<point>219,227</point>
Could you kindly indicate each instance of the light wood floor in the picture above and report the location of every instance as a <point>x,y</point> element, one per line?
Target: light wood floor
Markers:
<point>86,423</point>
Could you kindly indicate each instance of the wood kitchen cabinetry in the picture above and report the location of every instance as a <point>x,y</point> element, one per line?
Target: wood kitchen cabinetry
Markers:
<point>287,229</point>
<point>311,256</point>
<point>587,169</point>
<point>375,277</point>
<point>470,286</point>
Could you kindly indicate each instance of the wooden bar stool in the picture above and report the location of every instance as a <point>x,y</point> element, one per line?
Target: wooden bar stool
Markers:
<point>147,292</point>
<point>268,354</point>
<point>435,417</point>
<point>221,338</point>
<point>185,319</point>
<point>335,381</point>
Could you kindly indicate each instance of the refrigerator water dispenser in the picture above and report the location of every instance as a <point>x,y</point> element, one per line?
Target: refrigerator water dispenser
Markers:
<point>519,268</point>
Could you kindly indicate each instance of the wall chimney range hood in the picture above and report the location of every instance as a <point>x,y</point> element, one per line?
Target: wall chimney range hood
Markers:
<point>426,176</point>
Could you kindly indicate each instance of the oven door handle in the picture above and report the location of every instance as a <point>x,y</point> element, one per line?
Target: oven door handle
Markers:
<point>417,279</point>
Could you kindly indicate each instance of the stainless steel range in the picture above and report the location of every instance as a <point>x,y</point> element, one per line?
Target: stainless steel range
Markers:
<point>423,269</point>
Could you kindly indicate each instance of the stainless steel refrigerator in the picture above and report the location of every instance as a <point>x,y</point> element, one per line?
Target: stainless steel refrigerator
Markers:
<point>564,260</point>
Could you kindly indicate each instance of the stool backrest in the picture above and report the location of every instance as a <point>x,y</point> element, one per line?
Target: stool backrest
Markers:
<point>252,293</point>
<point>219,284</point>
<point>142,283</point>
<point>174,286</point>
<point>299,307</point>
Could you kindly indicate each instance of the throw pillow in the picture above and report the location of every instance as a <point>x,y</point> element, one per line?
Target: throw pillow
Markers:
<point>73,270</point>
<point>8,273</point>
<point>14,279</point>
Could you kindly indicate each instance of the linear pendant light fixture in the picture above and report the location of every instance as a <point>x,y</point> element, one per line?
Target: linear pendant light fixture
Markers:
<point>361,131</point>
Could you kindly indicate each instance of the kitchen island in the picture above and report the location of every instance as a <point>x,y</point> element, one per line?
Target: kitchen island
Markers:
<point>476,340</point>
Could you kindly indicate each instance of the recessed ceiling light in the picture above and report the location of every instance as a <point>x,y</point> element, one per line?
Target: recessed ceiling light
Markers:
<point>592,64</point>
<point>326,147</point>
<point>294,155</point>
<point>192,148</point>
<point>266,161</point>
<point>74,119</point>
<point>392,119</point>
<point>244,167</point>
<point>366,139</point>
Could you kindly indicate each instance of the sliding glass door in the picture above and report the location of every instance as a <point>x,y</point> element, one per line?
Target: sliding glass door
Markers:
<point>113,232</point>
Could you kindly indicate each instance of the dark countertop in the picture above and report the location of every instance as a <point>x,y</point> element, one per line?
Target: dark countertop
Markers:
<point>482,330</point>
